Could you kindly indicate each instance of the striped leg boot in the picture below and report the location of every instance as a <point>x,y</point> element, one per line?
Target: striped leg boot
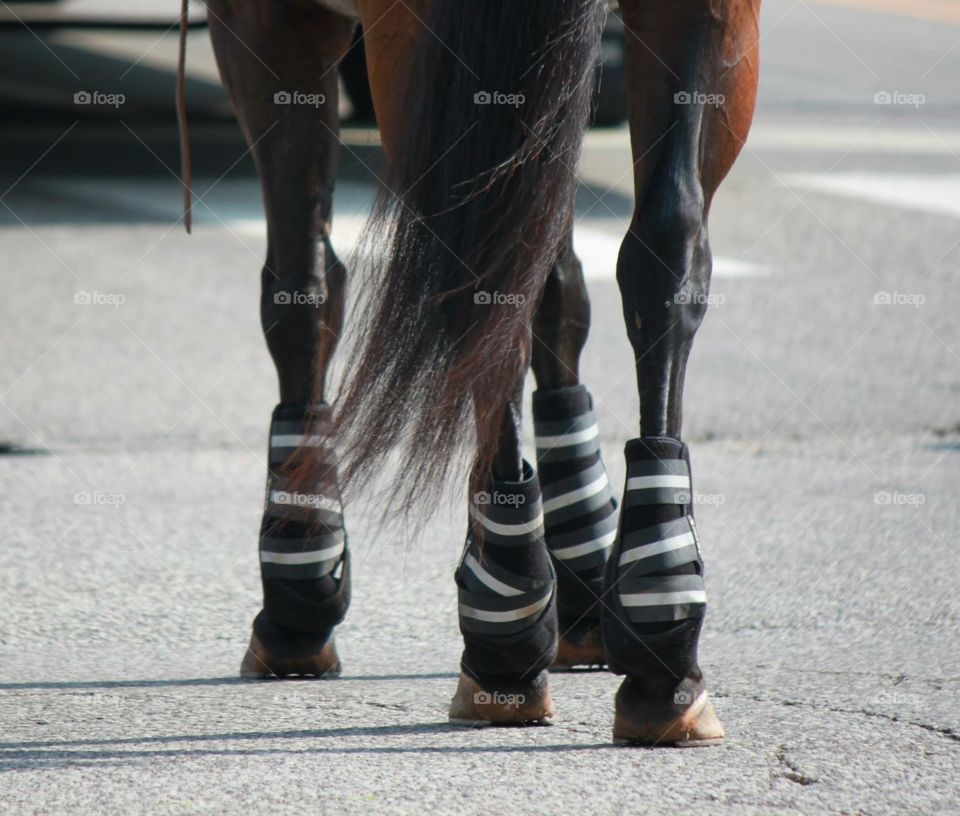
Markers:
<point>656,602</point>
<point>304,561</point>
<point>506,606</point>
<point>580,515</point>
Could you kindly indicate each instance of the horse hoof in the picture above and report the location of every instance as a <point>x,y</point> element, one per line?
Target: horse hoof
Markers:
<point>687,721</point>
<point>261,662</point>
<point>580,650</point>
<point>475,706</point>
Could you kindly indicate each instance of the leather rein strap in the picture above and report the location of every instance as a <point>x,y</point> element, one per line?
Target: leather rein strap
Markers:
<point>185,166</point>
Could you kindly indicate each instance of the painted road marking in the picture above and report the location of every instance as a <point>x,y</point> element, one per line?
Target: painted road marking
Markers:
<point>596,248</point>
<point>796,137</point>
<point>938,11</point>
<point>939,194</point>
<point>235,206</point>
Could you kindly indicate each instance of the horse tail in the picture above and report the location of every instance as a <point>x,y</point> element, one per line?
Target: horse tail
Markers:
<point>478,196</point>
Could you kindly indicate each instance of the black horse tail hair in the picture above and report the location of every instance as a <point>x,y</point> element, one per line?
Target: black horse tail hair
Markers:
<point>478,195</point>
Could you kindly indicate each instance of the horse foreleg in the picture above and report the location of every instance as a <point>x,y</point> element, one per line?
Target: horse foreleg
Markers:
<point>693,71</point>
<point>580,511</point>
<point>278,61</point>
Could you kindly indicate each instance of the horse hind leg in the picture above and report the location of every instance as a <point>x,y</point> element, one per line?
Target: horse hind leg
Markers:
<point>580,510</point>
<point>506,588</point>
<point>278,63</point>
<point>691,107</point>
<point>538,540</point>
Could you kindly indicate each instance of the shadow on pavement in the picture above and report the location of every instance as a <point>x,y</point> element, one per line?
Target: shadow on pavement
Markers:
<point>207,681</point>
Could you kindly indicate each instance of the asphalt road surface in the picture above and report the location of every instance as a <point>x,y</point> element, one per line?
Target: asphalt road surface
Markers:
<point>823,410</point>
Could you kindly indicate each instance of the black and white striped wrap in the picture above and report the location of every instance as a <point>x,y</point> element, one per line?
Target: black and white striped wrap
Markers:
<point>302,536</point>
<point>506,517</point>
<point>559,440</point>
<point>642,556</point>
<point>657,481</point>
<point>647,597</point>
<point>495,600</point>
<point>579,508</point>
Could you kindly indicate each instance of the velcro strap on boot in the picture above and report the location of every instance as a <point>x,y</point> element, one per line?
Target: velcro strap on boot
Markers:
<point>287,604</point>
<point>657,481</point>
<point>495,601</point>
<point>301,558</point>
<point>646,597</point>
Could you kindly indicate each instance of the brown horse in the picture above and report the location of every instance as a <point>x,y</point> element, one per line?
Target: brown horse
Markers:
<point>482,107</point>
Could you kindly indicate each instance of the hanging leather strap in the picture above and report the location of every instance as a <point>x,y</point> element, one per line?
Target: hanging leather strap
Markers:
<point>185,167</point>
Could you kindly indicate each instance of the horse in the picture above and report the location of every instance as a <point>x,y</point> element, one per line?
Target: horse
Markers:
<point>482,108</point>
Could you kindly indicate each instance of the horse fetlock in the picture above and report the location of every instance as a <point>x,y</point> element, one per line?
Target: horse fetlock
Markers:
<point>580,645</point>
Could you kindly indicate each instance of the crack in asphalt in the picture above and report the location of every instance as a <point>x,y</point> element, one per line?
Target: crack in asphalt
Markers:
<point>793,772</point>
<point>897,677</point>
<point>944,731</point>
